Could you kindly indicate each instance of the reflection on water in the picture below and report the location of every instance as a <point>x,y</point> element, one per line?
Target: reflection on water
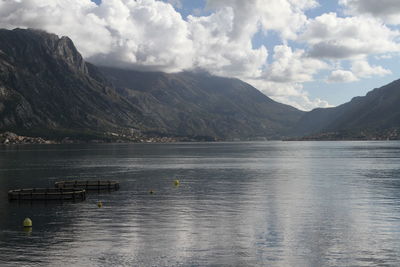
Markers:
<point>238,204</point>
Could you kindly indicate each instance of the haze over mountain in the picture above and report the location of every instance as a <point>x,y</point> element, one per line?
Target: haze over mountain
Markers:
<point>46,86</point>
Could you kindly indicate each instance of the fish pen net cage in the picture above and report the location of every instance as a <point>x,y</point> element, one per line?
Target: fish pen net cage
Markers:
<point>89,185</point>
<point>31,194</point>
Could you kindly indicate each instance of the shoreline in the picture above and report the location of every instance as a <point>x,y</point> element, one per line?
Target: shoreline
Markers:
<point>10,138</point>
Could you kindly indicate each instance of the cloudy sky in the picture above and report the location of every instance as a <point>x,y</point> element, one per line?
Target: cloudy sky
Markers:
<point>306,53</point>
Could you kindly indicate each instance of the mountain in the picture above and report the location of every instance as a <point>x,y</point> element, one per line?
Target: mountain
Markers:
<point>47,89</point>
<point>46,86</point>
<point>201,104</point>
<point>374,116</point>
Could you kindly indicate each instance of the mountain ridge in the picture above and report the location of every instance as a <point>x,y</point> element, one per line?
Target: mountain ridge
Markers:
<point>47,89</point>
<point>203,96</point>
<point>373,116</point>
<point>46,86</point>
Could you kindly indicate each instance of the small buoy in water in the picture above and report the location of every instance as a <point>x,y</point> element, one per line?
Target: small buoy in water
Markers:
<point>176,183</point>
<point>151,192</point>
<point>28,230</point>
<point>99,204</point>
<point>27,223</point>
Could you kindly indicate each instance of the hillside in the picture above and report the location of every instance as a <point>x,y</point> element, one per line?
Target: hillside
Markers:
<point>374,116</point>
<point>201,104</point>
<point>47,89</point>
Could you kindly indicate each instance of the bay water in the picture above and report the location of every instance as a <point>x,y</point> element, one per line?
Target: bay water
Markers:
<point>238,204</point>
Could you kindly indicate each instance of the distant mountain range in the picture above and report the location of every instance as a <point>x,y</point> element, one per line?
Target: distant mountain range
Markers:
<point>47,89</point>
<point>374,116</point>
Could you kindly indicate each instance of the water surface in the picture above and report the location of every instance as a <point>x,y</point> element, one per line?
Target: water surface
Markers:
<point>239,204</point>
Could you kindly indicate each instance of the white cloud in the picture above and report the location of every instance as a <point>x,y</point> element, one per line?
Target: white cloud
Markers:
<point>290,93</point>
<point>341,76</point>
<point>340,38</point>
<point>146,34</point>
<point>283,16</point>
<point>362,69</point>
<point>141,34</point>
<point>359,69</point>
<point>292,66</point>
<point>152,35</point>
<point>222,51</point>
<point>387,10</point>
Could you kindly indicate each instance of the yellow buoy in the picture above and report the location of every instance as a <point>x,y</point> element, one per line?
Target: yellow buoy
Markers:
<point>28,230</point>
<point>151,192</point>
<point>177,183</point>
<point>99,204</point>
<point>27,222</point>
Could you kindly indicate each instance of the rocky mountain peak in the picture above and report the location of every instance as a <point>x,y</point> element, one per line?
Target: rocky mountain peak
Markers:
<point>67,51</point>
<point>36,47</point>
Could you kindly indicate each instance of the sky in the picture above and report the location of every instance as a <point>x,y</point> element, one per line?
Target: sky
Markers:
<point>306,53</point>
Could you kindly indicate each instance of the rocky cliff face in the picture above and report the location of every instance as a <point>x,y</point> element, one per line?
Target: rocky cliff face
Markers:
<point>46,87</point>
